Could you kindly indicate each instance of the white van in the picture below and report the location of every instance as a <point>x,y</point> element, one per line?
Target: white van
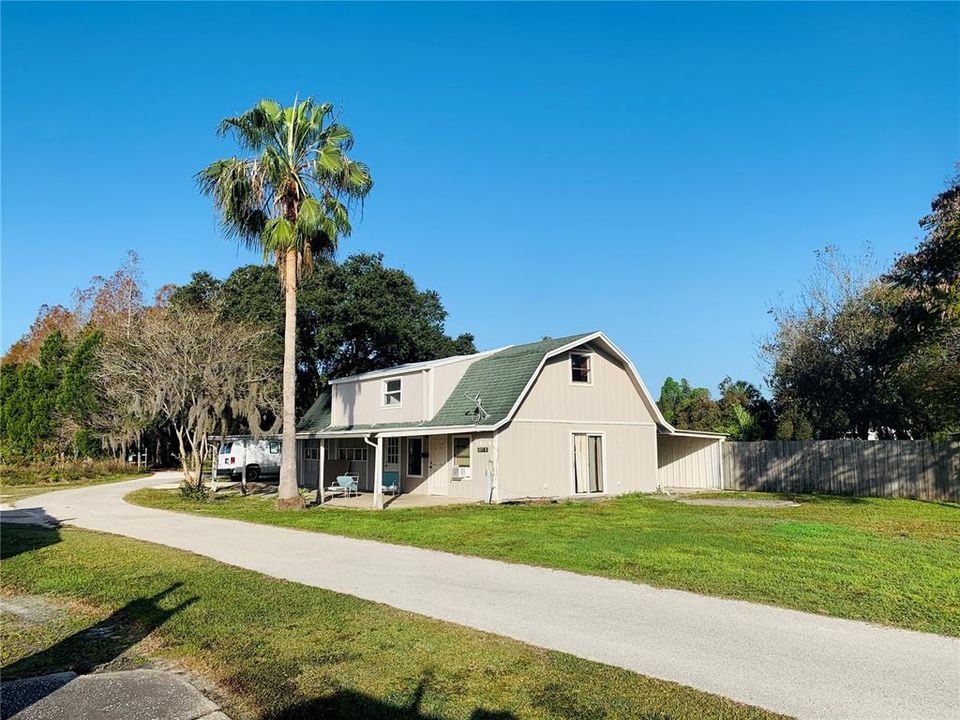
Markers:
<point>260,456</point>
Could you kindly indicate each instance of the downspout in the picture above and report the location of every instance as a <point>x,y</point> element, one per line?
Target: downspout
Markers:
<point>494,467</point>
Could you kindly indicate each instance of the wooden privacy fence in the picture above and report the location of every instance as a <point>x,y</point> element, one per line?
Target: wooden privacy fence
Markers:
<point>883,468</point>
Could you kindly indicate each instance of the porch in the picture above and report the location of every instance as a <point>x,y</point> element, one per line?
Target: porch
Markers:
<point>427,469</point>
<point>364,501</point>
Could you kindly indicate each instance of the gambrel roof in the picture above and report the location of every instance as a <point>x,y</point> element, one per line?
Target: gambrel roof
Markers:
<point>501,379</point>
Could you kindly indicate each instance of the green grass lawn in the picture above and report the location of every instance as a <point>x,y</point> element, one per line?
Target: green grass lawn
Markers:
<point>895,562</point>
<point>13,488</point>
<point>284,650</point>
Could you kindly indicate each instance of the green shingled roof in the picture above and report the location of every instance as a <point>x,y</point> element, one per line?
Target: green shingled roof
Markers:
<point>498,379</point>
<point>318,416</point>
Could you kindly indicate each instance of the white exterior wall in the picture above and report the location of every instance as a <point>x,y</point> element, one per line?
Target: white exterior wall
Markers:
<point>438,467</point>
<point>423,393</point>
<point>361,402</point>
<point>687,462</point>
<point>536,448</point>
<point>444,379</point>
<point>611,397</point>
<point>536,458</point>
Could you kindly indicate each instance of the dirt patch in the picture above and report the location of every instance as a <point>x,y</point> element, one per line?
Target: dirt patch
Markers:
<point>739,502</point>
<point>30,609</point>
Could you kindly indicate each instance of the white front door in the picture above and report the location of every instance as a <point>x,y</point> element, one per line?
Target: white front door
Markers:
<point>391,454</point>
<point>438,465</point>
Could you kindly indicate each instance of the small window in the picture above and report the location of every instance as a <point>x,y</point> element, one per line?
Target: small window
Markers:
<point>353,453</point>
<point>393,451</point>
<point>274,447</point>
<point>391,393</point>
<point>580,368</point>
<point>225,448</point>
<point>311,453</point>
<point>461,452</point>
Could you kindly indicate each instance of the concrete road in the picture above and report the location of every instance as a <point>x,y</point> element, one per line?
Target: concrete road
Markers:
<point>792,662</point>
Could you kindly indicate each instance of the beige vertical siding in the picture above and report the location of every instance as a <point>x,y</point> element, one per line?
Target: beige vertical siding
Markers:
<point>439,480</point>
<point>445,378</point>
<point>535,450</point>
<point>611,397</point>
<point>474,486</point>
<point>686,462</point>
<point>360,402</point>
<point>535,459</point>
<point>423,393</point>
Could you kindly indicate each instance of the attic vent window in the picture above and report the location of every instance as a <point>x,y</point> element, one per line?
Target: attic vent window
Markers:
<point>391,393</point>
<point>580,368</point>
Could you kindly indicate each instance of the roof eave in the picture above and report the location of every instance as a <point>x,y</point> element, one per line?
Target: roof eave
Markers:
<point>396,432</point>
<point>414,367</point>
<point>706,434</point>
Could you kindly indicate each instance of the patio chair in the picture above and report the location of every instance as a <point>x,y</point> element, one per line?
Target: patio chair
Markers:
<point>346,484</point>
<point>391,482</point>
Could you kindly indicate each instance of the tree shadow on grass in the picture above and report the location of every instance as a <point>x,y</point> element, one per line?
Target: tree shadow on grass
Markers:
<point>19,537</point>
<point>99,644</point>
<point>349,705</point>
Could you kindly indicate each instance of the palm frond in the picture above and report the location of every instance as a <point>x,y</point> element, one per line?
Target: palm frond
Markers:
<point>238,195</point>
<point>257,127</point>
<point>297,192</point>
<point>278,236</point>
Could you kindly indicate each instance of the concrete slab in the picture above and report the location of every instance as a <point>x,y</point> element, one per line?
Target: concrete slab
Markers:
<point>128,695</point>
<point>17,695</point>
<point>364,501</point>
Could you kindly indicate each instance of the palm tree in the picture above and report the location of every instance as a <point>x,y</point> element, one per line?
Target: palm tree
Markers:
<point>291,200</point>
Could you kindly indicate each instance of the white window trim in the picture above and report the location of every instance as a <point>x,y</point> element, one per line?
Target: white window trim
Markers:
<point>573,463</point>
<point>453,455</point>
<point>383,393</point>
<point>349,454</point>
<point>386,451</point>
<point>593,368</point>
<point>406,457</point>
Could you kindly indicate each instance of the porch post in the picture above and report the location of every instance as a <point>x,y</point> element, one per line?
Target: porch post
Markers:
<point>323,461</point>
<point>378,476</point>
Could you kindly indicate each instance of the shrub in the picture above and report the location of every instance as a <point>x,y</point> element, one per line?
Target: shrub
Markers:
<point>70,471</point>
<point>196,493</point>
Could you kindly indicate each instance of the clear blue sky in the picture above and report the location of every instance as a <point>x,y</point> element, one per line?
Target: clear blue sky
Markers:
<point>662,172</point>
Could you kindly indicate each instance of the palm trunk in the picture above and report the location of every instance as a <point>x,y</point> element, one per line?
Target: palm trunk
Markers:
<point>289,496</point>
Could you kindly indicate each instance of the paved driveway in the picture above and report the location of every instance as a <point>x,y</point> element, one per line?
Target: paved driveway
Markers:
<point>792,662</point>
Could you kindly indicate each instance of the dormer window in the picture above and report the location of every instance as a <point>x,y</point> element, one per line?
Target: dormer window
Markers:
<point>391,393</point>
<point>580,371</point>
